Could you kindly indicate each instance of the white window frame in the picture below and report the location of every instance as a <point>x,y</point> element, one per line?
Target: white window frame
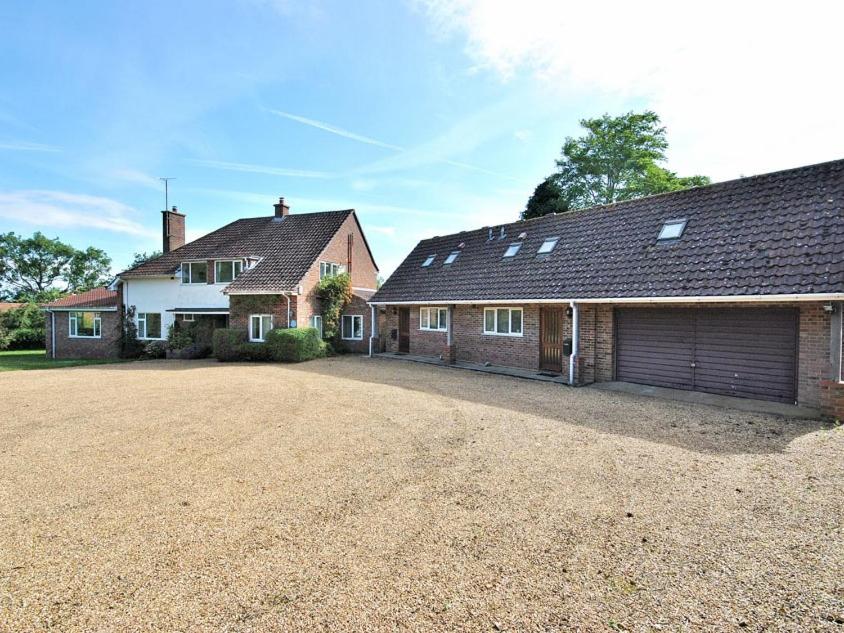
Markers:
<point>190,281</point>
<point>495,331</point>
<point>317,318</point>
<point>232,262</point>
<point>73,324</point>
<point>548,240</point>
<point>262,335</point>
<point>343,327</point>
<point>142,317</point>
<point>329,269</point>
<point>189,317</point>
<point>425,319</point>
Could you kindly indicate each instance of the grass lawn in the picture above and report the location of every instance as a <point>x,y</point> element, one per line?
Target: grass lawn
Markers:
<point>36,359</point>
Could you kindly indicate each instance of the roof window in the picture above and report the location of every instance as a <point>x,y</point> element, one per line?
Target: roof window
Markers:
<point>512,249</point>
<point>548,245</point>
<point>429,261</point>
<point>672,230</point>
<point>451,257</point>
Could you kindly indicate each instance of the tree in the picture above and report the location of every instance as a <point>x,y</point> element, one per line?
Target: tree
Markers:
<point>22,327</point>
<point>140,258</point>
<point>547,198</point>
<point>617,159</point>
<point>40,269</point>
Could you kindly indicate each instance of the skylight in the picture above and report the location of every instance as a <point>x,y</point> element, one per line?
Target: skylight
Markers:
<point>548,245</point>
<point>429,261</point>
<point>451,257</point>
<point>512,249</point>
<point>672,229</point>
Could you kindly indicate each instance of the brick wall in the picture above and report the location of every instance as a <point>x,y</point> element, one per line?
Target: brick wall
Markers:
<point>832,398</point>
<point>107,346</point>
<point>358,307</point>
<point>241,306</point>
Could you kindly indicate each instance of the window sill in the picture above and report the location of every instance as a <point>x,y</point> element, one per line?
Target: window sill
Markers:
<point>351,339</point>
<point>426,329</point>
<point>503,334</point>
<point>78,336</point>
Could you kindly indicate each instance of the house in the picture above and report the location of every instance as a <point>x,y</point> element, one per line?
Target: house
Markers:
<point>84,325</point>
<point>254,273</point>
<point>734,288</point>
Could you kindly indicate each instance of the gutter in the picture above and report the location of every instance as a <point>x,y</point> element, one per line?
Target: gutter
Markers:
<point>827,296</point>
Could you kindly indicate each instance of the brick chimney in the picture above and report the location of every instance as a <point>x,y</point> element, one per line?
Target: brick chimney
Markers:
<point>173,230</point>
<point>281,209</point>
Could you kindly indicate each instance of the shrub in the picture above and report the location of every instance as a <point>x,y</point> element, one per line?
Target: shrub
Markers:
<point>154,349</point>
<point>22,328</point>
<point>130,346</point>
<point>178,337</point>
<point>295,345</point>
<point>255,352</point>
<point>227,343</point>
<point>335,293</point>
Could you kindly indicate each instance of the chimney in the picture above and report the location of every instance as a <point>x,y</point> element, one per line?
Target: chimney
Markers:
<point>173,225</point>
<point>281,209</point>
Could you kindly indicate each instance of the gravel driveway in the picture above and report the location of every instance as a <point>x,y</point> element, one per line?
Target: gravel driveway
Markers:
<point>355,494</point>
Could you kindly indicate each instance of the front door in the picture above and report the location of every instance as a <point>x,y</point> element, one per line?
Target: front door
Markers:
<point>404,330</point>
<point>551,339</point>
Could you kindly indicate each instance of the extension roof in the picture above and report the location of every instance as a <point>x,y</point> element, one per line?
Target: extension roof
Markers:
<point>286,247</point>
<point>97,298</point>
<point>775,234</point>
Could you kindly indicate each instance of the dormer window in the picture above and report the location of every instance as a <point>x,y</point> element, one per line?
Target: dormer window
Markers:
<point>548,245</point>
<point>194,272</point>
<point>672,230</point>
<point>512,249</point>
<point>429,261</point>
<point>227,271</point>
<point>451,257</point>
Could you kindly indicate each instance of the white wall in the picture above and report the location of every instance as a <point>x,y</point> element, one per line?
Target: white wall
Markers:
<point>162,294</point>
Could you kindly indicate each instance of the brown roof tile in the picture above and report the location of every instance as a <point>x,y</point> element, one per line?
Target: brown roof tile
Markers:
<point>96,298</point>
<point>779,233</point>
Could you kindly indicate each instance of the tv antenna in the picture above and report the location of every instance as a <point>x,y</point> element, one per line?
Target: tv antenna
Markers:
<point>167,191</point>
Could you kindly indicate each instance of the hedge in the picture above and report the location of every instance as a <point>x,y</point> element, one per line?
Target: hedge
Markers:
<point>227,344</point>
<point>295,345</point>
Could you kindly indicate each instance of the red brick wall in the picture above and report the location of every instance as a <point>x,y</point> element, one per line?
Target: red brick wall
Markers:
<point>832,398</point>
<point>241,306</point>
<point>107,346</point>
<point>358,306</point>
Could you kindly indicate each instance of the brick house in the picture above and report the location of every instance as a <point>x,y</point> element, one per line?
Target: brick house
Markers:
<point>735,288</point>
<point>85,325</point>
<point>255,273</point>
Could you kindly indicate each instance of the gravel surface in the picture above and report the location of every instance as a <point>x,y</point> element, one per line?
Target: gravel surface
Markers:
<point>354,494</point>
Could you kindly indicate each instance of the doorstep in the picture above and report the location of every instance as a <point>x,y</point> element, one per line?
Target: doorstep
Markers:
<point>698,397</point>
<point>500,370</point>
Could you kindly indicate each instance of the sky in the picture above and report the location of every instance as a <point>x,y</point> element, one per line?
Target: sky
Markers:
<point>427,117</point>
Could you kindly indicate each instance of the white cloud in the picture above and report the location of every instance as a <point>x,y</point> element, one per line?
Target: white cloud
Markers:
<point>383,230</point>
<point>743,87</point>
<point>261,169</point>
<point>23,146</point>
<point>327,127</point>
<point>65,210</point>
<point>137,177</point>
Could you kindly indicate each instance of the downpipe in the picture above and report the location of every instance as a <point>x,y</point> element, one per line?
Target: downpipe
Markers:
<point>575,339</point>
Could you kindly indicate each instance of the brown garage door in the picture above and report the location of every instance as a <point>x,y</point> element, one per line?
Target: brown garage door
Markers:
<point>748,352</point>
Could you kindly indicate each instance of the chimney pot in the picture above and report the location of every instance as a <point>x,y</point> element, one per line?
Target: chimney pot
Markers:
<point>281,208</point>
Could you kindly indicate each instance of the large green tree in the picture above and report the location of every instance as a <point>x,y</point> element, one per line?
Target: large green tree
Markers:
<point>38,268</point>
<point>619,158</point>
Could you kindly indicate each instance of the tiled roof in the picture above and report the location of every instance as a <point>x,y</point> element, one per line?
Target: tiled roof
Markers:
<point>96,298</point>
<point>5,306</point>
<point>286,247</point>
<point>778,233</point>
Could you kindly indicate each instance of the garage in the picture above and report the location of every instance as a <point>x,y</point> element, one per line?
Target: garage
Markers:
<point>744,352</point>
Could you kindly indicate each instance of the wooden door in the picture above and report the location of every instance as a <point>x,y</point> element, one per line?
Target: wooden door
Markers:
<point>404,330</point>
<point>551,339</point>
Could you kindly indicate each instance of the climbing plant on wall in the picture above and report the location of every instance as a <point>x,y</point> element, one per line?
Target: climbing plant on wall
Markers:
<point>335,293</point>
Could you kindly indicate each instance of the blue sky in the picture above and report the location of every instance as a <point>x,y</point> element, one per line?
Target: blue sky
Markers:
<point>427,117</point>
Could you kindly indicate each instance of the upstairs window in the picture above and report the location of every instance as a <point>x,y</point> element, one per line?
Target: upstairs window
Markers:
<point>548,245</point>
<point>672,230</point>
<point>194,272</point>
<point>512,249</point>
<point>434,319</point>
<point>84,324</point>
<point>227,271</point>
<point>451,257</point>
<point>428,261</point>
<point>329,269</point>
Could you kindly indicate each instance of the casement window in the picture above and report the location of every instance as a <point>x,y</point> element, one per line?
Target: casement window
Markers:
<point>512,249</point>
<point>428,261</point>
<point>352,327</point>
<point>451,257</point>
<point>149,325</point>
<point>194,272</point>
<point>227,271</point>
<point>435,319</point>
<point>548,245</point>
<point>316,323</point>
<point>329,269</point>
<point>503,321</point>
<point>84,324</point>
<point>188,317</point>
<point>259,325</point>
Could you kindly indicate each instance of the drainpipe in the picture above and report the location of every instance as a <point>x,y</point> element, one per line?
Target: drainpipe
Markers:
<point>575,339</point>
<point>372,328</point>
<point>53,334</point>
<point>287,296</point>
